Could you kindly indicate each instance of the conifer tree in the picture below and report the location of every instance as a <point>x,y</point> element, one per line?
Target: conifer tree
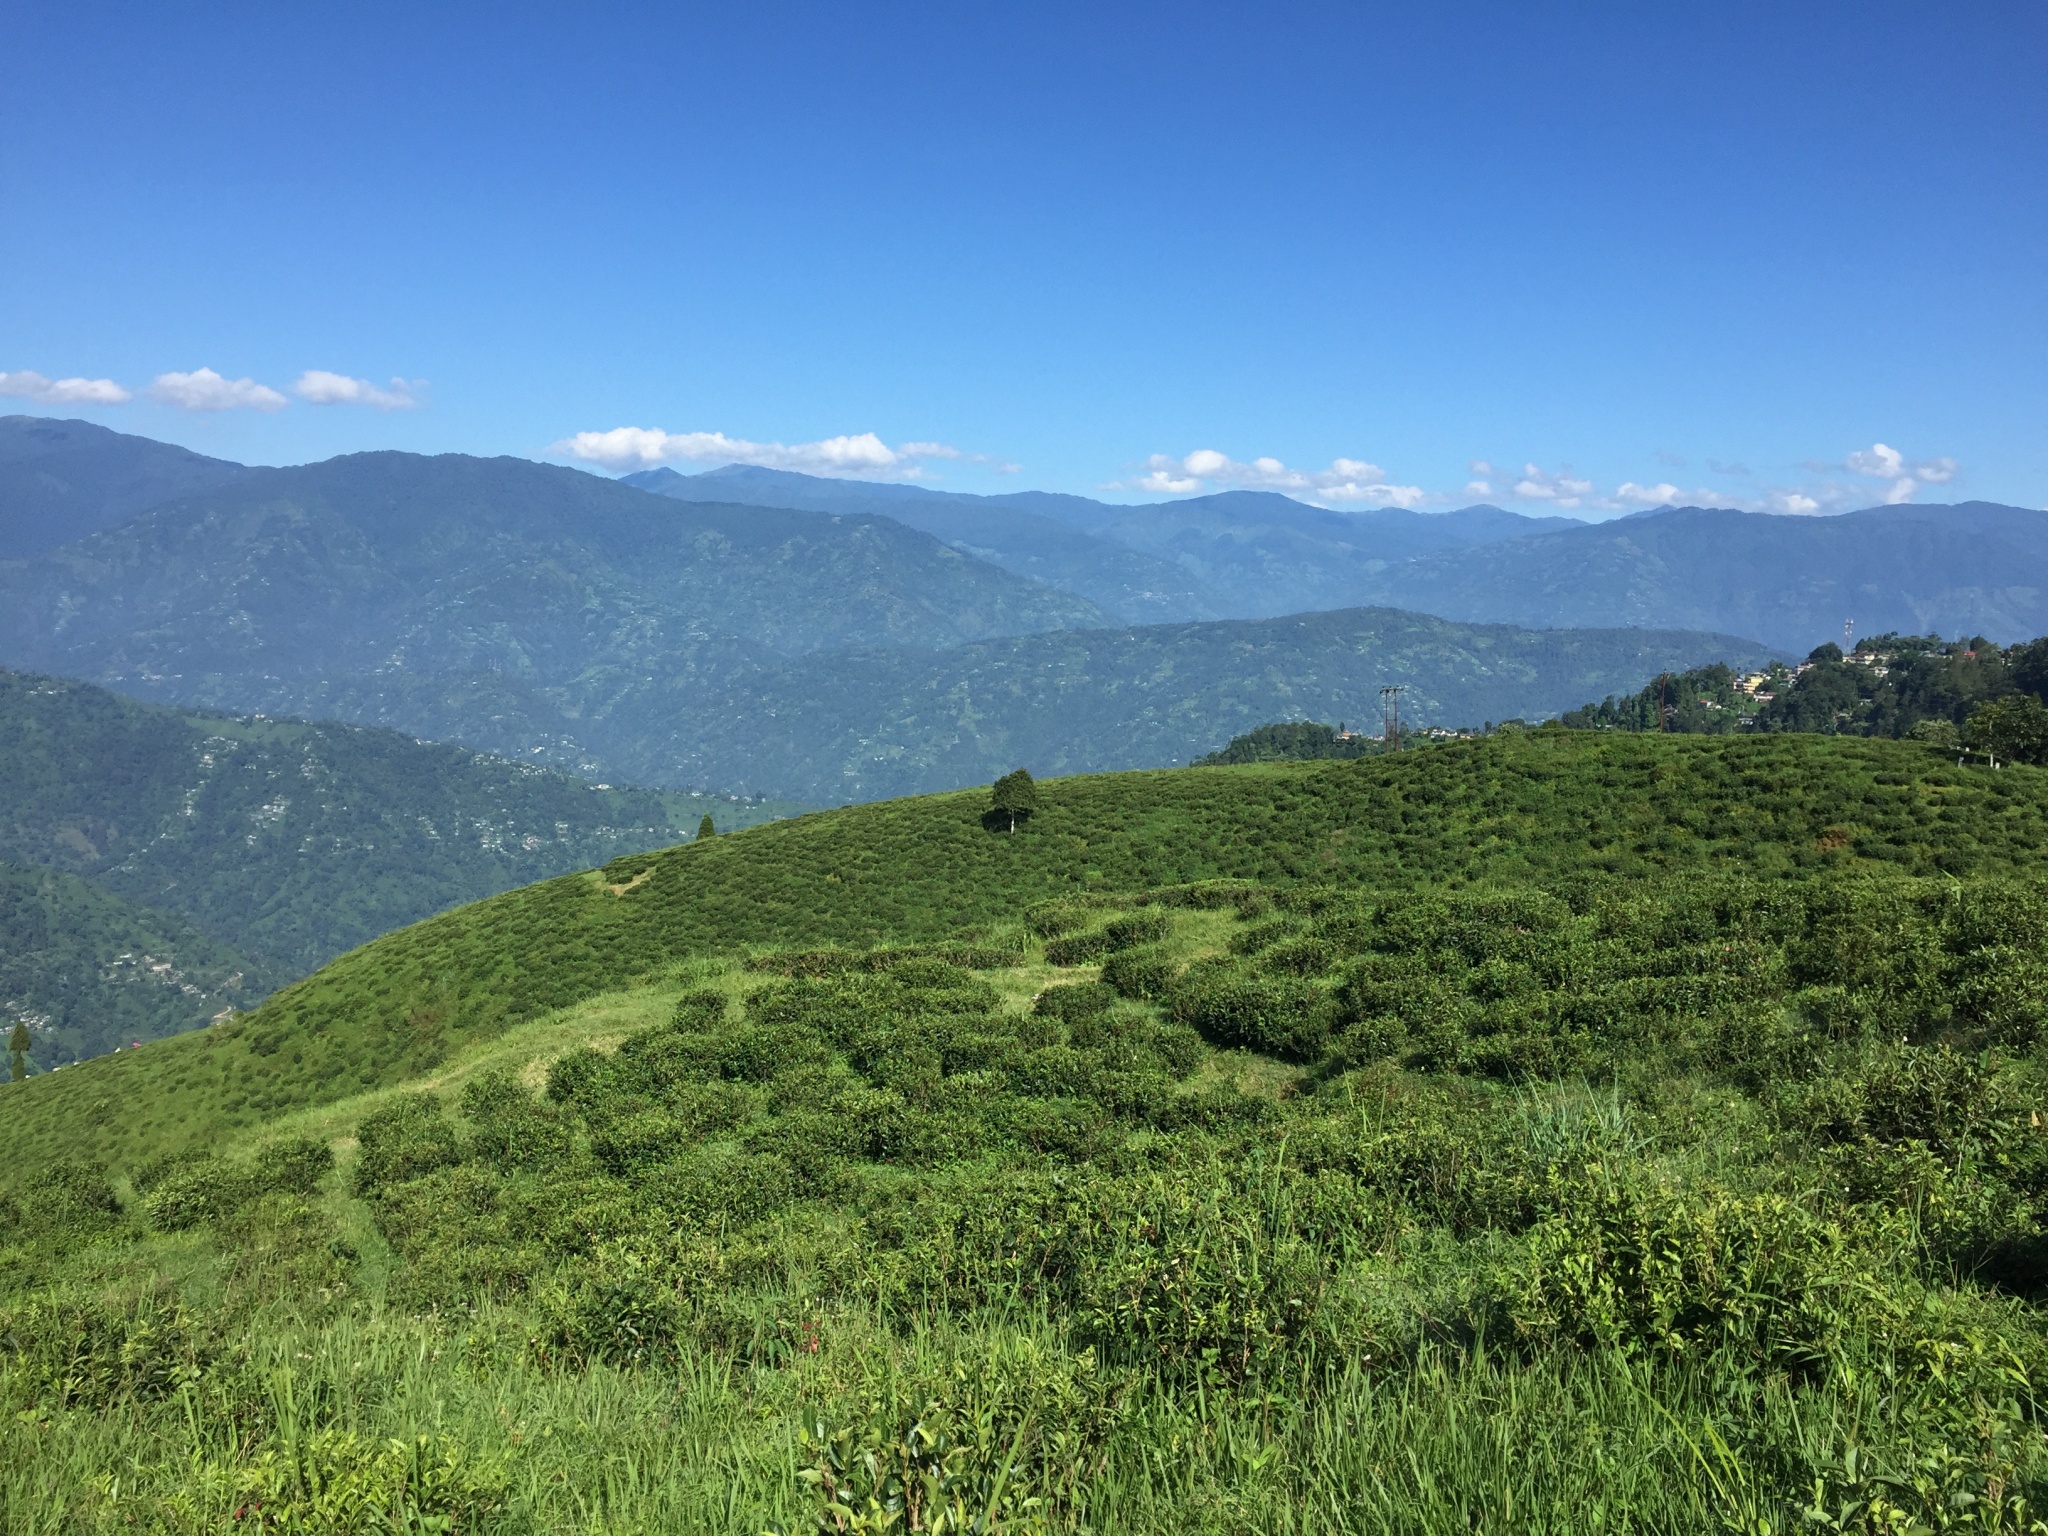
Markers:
<point>17,1047</point>
<point>705,829</point>
<point>1015,797</point>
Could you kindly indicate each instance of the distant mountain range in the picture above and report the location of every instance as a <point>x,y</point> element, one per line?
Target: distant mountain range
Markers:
<point>1237,554</point>
<point>750,628</point>
<point>497,602</point>
<point>223,856</point>
<point>1972,568</point>
<point>1975,568</point>
<point>61,480</point>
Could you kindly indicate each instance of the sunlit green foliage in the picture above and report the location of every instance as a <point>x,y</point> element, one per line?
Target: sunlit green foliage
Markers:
<point>1467,1184</point>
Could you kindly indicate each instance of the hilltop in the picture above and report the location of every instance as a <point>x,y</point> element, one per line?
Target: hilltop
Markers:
<point>63,480</point>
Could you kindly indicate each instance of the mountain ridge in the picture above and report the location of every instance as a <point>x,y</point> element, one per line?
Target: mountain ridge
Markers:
<point>64,479</point>
<point>1234,554</point>
<point>1790,581</point>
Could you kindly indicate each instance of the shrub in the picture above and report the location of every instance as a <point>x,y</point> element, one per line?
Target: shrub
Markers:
<point>295,1165</point>
<point>79,1349</point>
<point>509,1129</point>
<point>194,1191</point>
<point>405,1139</point>
<point>1050,919</point>
<point>700,1010</point>
<point>194,1195</point>
<point>337,1480</point>
<point>575,1075</point>
<point>619,1309</point>
<point>1118,934</point>
<point>1072,1001</point>
<point>1143,975</point>
<point>1232,1008</point>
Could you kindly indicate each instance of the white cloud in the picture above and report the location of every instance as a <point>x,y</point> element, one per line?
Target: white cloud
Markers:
<point>862,456</point>
<point>316,386</point>
<point>1346,483</point>
<point>205,390</point>
<point>1562,489</point>
<point>1664,494</point>
<point>1882,462</point>
<point>30,385</point>
<point>1836,486</point>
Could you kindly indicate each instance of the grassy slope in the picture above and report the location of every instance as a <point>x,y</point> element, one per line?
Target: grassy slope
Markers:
<point>1540,805</point>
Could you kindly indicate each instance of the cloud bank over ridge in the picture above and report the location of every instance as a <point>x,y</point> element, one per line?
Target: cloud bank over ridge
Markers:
<point>856,456</point>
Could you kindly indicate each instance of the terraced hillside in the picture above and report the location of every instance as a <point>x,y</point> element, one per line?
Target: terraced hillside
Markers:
<point>1553,1131</point>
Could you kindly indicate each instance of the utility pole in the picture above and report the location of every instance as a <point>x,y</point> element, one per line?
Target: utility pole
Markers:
<point>1390,715</point>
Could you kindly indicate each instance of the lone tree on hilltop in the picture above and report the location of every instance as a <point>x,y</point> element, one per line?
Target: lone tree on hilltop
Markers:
<point>17,1048</point>
<point>1015,797</point>
<point>705,829</point>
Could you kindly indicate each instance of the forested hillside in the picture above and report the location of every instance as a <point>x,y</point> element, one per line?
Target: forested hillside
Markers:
<point>282,843</point>
<point>86,972</point>
<point>1130,586</point>
<point>1292,741</point>
<point>863,725</point>
<point>1551,1131</point>
<point>1921,686</point>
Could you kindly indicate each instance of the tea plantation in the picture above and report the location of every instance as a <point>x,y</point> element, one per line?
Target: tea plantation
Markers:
<point>1548,1132</point>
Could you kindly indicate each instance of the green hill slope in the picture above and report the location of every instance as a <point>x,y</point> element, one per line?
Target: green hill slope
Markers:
<point>1558,1131</point>
<point>1535,806</point>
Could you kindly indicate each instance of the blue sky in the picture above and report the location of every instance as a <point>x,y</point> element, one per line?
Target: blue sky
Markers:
<point>1771,256</point>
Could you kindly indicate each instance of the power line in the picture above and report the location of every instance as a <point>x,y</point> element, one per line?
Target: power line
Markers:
<point>1390,715</point>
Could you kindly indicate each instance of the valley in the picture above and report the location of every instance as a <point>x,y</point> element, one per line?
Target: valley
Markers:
<point>163,865</point>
